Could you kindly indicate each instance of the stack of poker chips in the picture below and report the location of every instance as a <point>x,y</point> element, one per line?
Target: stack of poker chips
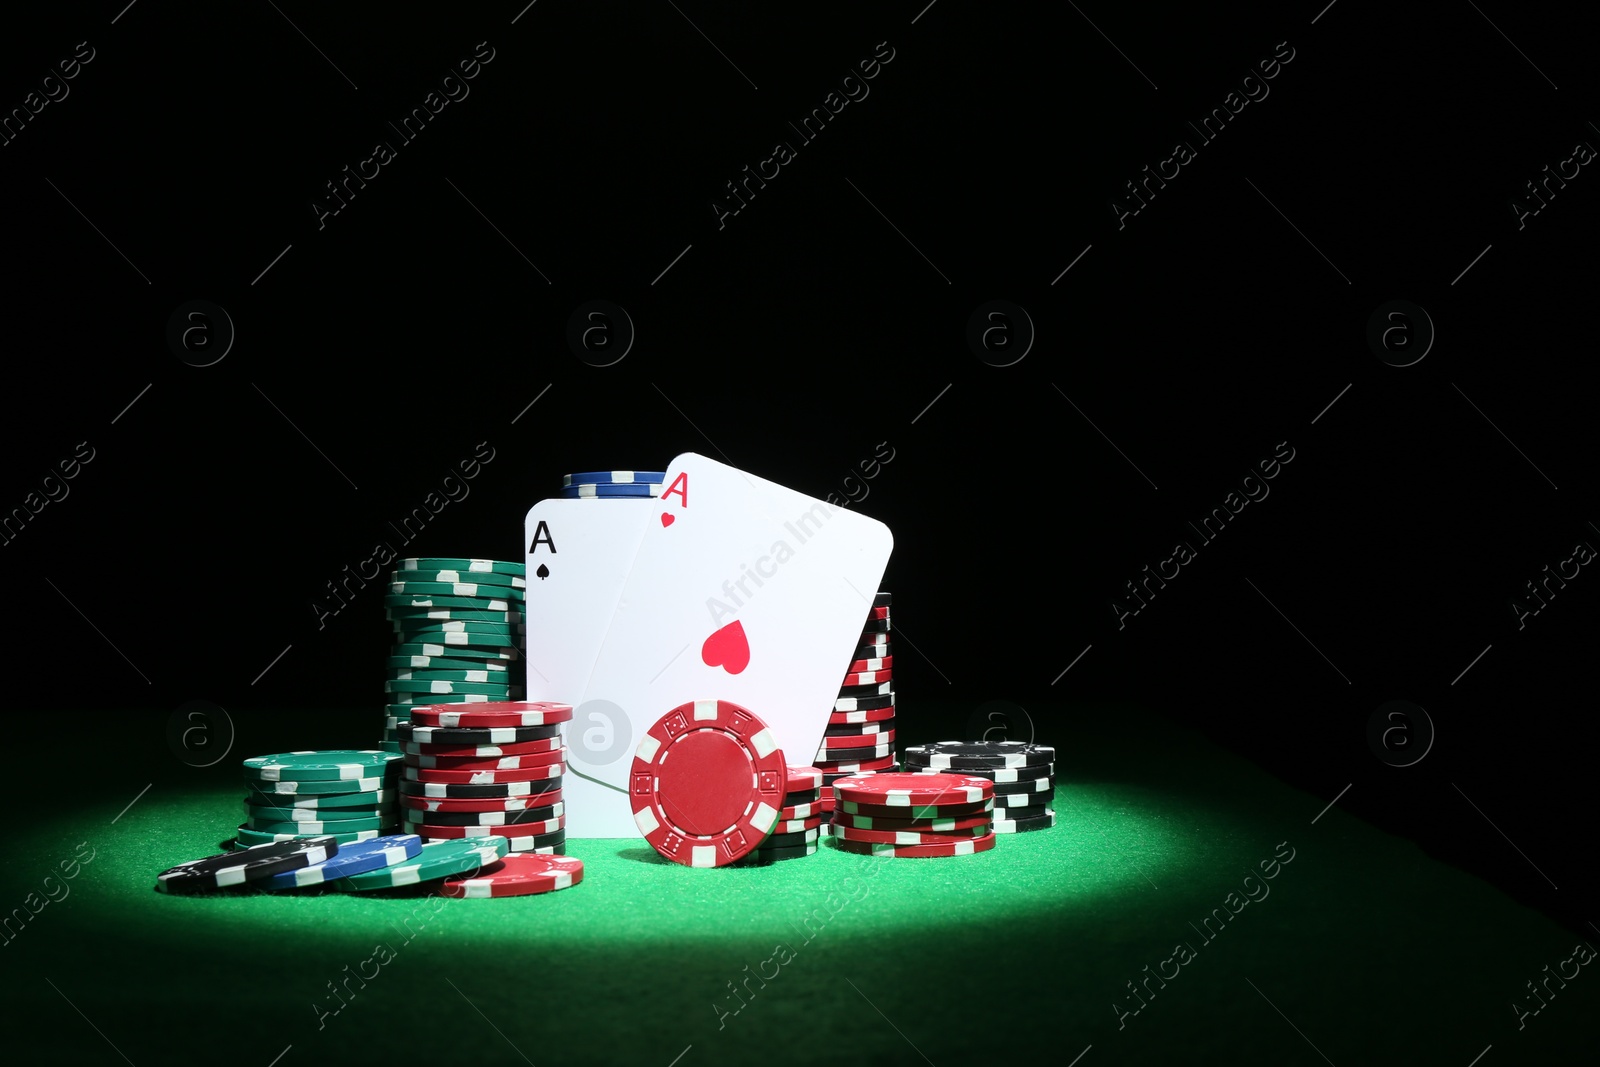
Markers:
<point>859,738</point>
<point>346,795</point>
<point>486,770</point>
<point>458,627</point>
<point>913,816</point>
<point>598,485</point>
<point>800,820</point>
<point>1023,775</point>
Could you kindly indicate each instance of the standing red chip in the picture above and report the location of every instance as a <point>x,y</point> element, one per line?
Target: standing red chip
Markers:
<point>707,783</point>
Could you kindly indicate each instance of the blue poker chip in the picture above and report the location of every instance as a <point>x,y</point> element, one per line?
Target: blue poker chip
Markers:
<point>614,478</point>
<point>356,858</point>
<point>589,490</point>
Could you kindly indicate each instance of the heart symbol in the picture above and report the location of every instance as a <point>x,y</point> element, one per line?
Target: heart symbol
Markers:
<point>727,648</point>
<point>667,519</point>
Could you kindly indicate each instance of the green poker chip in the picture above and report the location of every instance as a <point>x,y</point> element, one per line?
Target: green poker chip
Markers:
<point>415,602</point>
<point>412,664</point>
<point>458,583</point>
<point>341,786</point>
<point>447,688</point>
<point>457,626</point>
<point>341,826</point>
<point>440,563</point>
<point>438,859</point>
<point>315,766</point>
<point>464,639</point>
<point>437,649</point>
<point>417,616</point>
<point>257,799</point>
<point>248,837</point>
<point>482,677</point>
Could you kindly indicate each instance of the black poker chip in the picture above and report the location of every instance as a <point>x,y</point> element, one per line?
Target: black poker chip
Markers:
<point>792,840</point>
<point>856,729</point>
<point>876,689</point>
<point>875,626</point>
<point>883,651</point>
<point>981,755</point>
<point>243,866</point>
<point>882,600</point>
<point>864,703</point>
<point>1041,786</point>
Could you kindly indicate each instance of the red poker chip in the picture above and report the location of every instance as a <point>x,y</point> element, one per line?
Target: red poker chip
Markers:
<point>518,874</point>
<point>861,677</point>
<point>510,748</point>
<point>462,804</point>
<point>487,763</point>
<point>878,739</point>
<point>879,612</point>
<point>915,811</point>
<point>707,783</point>
<point>899,790</point>
<point>797,825</point>
<point>907,837</point>
<point>449,777</point>
<point>842,718</point>
<point>516,829</point>
<point>882,663</point>
<point>938,851</point>
<point>492,714</point>
<point>800,779</point>
<point>801,811</point>
<point>863,767</point>
<point>940,825</point>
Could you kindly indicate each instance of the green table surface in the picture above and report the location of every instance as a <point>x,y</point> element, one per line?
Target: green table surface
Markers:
<point>1360,950</point>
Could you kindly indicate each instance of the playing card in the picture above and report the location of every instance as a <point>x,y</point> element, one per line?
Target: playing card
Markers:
<point>741,590</point>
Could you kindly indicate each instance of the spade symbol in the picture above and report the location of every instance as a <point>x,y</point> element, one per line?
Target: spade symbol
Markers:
<point>543,572</point>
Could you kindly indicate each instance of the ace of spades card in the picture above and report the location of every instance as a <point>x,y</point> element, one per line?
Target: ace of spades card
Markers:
<point>742,590</point>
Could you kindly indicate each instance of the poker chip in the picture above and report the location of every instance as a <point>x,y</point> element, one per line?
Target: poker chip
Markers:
<point>885,663</point>
<point>941,850</point>
<point>915,811</point>
<point>553,844</point>
<point>488,763</point>
<point>1027,814</point>
<point>481,805</point>
<point>469,587</point>
<point>613,478</point>
<point>248,838</point>
<point>417,618</point>
<point>458,777</point>
<point>230,869</point>
<point>357,858</point>
<point>345,785</point>
<point>799,824</point>
<point>799,779</point>
<point>434,860</point>
<point>295,802</point>
<point>792,840</point>
<point>863,703</point>
<point>843,769</point>
<point>520,829</point>
<point>872,739</point>
<point>493,735</point>
<point>601,491</point>
<point>433,651</point>
<point>980,755</point>
<point>495,690</point>
<point>336,765</point>
<point>906,837</point>
<point>1029,785</point>
<point>481,637</point>
<point>464,673</point>
<point>476,566</point>
<point>904,790</point>
<point>519,817</point>
<point>878,611</point>
<point>997,775</point>
<point>868,629</point>
<point>499,789</point>
<point>1022,826</point>
<point>458,576</point>
<point>407,601</point>
<point>707,783</point>
<point>856,729</point>
<point>868,676</point>
<point>862,716</point>
<point>876,690</point>
<point>310,829</point>
<point>761,857</point>
<point>518,874</point>
<point>1024,800</point>
<point>807,810</point>
<point>489,716</point>
<point>941,825</point>
<point>870,649</point>
<point>882,600</point>
<point>512,748</point>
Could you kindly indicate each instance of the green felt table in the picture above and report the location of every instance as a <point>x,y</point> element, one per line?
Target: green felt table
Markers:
<point>1359,950</point>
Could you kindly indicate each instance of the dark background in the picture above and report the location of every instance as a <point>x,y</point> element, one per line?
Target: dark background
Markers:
<point>825,319</point>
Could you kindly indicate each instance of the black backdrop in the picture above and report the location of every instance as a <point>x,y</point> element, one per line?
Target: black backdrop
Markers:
<point>825,323</point>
